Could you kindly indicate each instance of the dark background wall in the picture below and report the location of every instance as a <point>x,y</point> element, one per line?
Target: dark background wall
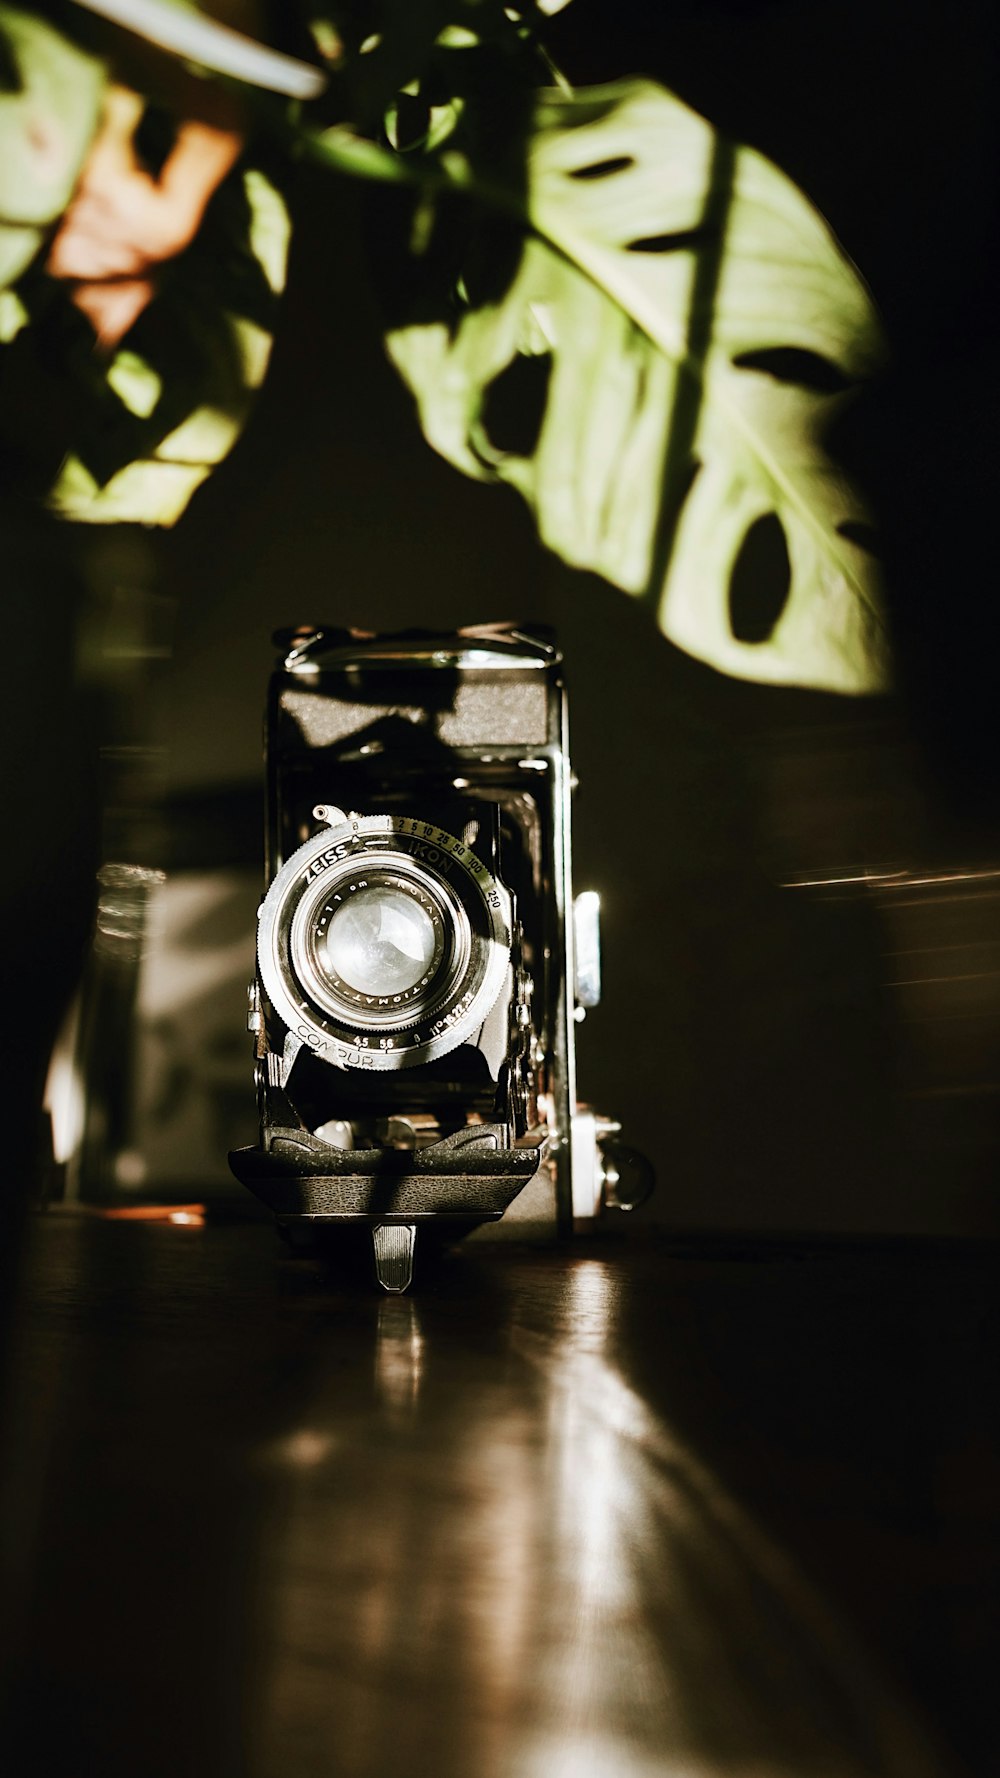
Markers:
<point>769,1046</point>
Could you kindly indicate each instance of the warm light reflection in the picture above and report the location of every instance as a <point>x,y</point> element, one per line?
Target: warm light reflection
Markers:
<point>181,1215</point>
<point>593,1500</point>
<point>399,1351</point>
<point>304,1449</point>
<point>894,879</point>
<point>64,1095</point>
<point>594,1755</point>
<point>515,1546</point>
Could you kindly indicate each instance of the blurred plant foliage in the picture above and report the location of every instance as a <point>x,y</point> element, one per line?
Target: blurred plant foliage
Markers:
<point>127,435</point>
<point>644,329</point>
<point>43,80</point>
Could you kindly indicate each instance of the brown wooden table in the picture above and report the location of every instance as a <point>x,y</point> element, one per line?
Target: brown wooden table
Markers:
<point>640,1507</point>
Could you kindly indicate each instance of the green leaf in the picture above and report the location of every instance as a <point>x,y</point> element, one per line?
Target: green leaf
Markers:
<point>49,107</point>
<point>699,327</point>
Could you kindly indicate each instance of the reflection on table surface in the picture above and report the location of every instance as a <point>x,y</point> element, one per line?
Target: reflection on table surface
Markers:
<point>610,1512</point>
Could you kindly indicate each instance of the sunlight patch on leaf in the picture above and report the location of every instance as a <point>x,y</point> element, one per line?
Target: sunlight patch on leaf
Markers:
<point>204,438</point>
<point>13,316</point>
<point>270,228</point>
<point>46,126</point>
<point>136,383</point>
<point>456,37</point>
<point>141,489</point>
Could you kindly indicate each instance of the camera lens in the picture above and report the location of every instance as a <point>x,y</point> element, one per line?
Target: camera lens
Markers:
<point>383,942</point>
<point>380,941</point>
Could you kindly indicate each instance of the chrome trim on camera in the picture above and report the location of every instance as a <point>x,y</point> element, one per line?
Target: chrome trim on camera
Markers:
<point>587,947</point>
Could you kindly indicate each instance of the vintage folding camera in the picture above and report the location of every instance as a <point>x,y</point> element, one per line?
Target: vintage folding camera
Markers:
<point>421,961</point>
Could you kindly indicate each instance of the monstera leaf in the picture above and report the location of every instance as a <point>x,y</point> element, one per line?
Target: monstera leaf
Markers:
<point>694,326</point>
<point>683,320</point>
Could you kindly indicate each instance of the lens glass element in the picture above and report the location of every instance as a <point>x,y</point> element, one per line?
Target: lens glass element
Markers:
<point>380,941</point>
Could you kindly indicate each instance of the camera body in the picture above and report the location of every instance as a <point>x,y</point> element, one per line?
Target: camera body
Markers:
<point>421,963</point>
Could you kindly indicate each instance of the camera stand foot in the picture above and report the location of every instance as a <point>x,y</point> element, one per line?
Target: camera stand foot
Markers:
<point>393,1244</point>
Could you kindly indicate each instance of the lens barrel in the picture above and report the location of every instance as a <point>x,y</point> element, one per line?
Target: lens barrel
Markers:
<point>383,942</point>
